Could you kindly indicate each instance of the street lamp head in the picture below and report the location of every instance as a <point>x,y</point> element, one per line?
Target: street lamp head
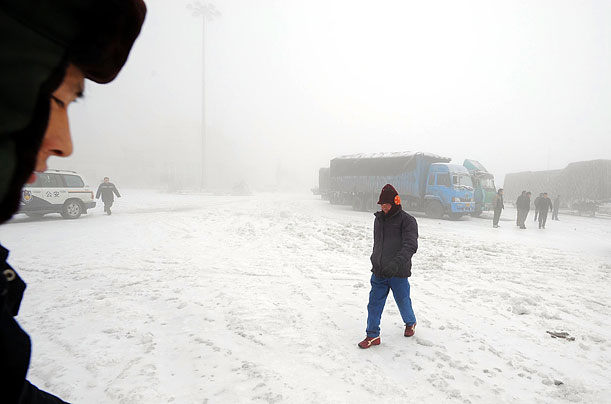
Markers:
<point>206,10</point>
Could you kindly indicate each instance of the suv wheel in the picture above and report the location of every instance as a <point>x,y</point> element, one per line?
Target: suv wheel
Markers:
<point>72,210</point>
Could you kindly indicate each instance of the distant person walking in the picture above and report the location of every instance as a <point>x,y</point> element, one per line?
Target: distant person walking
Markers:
<point>498,204</point>
<point>395,240</point>
<point>545,206</point>
<point>523,206</point>
<point>108,191</point>
<point>556,207</point>
<point>537,200</point>
<point>517,203</point>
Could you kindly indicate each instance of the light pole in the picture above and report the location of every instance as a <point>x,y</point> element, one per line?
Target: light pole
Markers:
<point>205,11</point>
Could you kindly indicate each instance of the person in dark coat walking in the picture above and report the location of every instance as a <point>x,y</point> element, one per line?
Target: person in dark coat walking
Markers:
<point>523,207</point>
<point>395,240</point>
<point>545,206</point>
<point>556,208</point>
<point>108,191</point>
<point>517,203</point>
<point>498,205</point>
<point>537,200</point>
<point>47,49</point>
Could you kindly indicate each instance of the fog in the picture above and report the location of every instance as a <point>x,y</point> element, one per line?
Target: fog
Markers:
<point>289,85</point>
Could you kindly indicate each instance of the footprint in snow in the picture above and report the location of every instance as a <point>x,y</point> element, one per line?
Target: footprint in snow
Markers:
<point>424,342</point>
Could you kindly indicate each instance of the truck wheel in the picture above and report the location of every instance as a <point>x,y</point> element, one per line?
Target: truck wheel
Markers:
<point>476,213</point>
<point>455,216</point>
<point>434,210</point>
<point>357,203</point>
<point>72,209</point>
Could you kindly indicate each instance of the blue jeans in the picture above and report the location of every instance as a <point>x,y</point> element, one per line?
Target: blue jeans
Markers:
<point>377,299</point>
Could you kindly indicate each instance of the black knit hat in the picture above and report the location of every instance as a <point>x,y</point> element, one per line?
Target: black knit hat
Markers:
<point>389,195</point>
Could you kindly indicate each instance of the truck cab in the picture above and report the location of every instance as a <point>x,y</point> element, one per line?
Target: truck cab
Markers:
<point>449,190</point>
<point>483,186</point>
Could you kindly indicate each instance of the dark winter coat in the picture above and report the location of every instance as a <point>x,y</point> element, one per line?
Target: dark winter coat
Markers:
<point>537,201</point>
<point>498,203</point>
<point>545,205</point>
<point>15,346</point>
<point>395,240</point>
<point>523,202</point>
<point>107,190</point>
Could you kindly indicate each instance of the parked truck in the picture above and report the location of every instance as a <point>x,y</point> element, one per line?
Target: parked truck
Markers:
<point>425,182</point>
<point>323,183</point>
<point>483,186</point>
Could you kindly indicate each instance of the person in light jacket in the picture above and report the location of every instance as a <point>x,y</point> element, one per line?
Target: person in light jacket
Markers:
<point>498,205</point>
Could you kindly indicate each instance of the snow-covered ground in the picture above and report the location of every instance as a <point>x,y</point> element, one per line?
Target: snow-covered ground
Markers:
<point>219,299</point>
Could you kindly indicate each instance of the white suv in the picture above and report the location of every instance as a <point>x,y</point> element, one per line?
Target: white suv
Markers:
<point>57,191</point>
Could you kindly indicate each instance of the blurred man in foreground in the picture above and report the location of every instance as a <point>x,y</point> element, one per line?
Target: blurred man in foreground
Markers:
<point>47,49</point>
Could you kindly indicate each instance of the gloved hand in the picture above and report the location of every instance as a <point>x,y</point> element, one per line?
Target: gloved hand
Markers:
<point>391,269</point>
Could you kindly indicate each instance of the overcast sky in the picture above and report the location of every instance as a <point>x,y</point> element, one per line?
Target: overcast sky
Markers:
<point>517,85</point>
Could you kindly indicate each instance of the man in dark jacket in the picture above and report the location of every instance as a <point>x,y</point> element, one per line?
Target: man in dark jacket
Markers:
<point>498,205</point>
<point>545,206</point>
<point>556,208</point>
<point>395,240</point>
<point>108,191</point>
<point>517,204</point>
<point>523,207</point>
<point>47,49</point>
<point>537,200</point>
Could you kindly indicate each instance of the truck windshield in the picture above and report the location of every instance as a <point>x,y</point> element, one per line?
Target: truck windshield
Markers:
<point>487,183</point>
<point>462,181</point>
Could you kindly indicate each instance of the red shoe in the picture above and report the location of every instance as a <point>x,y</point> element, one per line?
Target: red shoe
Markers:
<point>410,330</point>
<point>369,341</point>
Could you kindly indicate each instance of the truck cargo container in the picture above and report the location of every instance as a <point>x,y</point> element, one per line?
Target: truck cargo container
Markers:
<point>577,182</point>
<point>323,183</point>
<point>425,182</point>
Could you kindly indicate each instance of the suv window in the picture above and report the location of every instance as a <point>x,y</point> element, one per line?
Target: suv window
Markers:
<point>37,183</point>
<point>73,181</point>
<point>48,181</point>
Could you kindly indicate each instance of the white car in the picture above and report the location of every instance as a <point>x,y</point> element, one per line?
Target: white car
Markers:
<point>57,191</point>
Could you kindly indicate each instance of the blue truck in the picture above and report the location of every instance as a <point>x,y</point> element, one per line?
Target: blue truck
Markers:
<point>425,182</point>
<point>483,186</point>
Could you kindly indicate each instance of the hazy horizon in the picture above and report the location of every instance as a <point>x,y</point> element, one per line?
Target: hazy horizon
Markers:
<point>518,86</point>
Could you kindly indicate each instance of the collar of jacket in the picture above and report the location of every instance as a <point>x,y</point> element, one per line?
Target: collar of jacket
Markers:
<point>392,212</point>
<point>3,254</point>
<point>11,285</point>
